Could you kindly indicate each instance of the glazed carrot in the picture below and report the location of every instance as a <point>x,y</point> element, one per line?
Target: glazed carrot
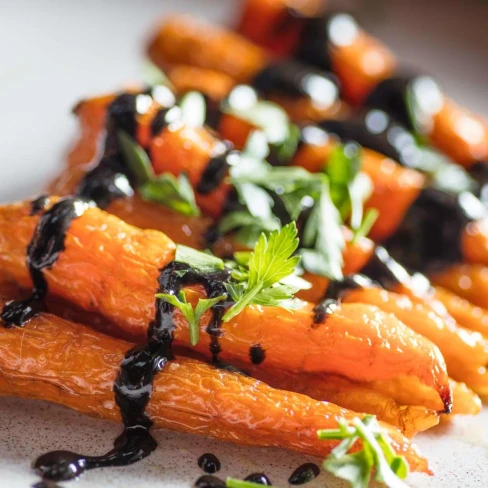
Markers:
<point>465,401</point>
<point>469,281</point>
<point>269,23</point>
<point>213,83</point>
<point>475,242</point>
<point>460,133</point>
<point>111,268</point>
<point>184,40</point>
<point>67,363</point>
<point>408,419</point>
<point>459,346</point>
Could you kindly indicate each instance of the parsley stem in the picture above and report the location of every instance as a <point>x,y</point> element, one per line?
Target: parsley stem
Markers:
<point>239,307</point>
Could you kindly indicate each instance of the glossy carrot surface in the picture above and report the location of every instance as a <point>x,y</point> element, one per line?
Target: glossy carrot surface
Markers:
<point>63,362</point>
<point>111,268</point>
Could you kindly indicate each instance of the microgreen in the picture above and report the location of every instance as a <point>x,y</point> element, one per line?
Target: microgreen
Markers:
<point>193,109</point>
<point>192,315</point>
<point>166,189</point>
<point>376,454</point>
<point>235,483</point>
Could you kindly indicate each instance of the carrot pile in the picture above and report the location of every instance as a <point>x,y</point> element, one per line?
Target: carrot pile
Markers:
<point>405,352</point>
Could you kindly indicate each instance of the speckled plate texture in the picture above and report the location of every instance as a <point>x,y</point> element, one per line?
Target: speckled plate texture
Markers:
<point>54,52</point>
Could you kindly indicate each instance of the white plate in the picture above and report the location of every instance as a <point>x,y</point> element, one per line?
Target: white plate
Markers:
<point>53,53</point>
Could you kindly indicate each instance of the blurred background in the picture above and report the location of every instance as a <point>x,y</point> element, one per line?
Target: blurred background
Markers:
<point>54,52</point>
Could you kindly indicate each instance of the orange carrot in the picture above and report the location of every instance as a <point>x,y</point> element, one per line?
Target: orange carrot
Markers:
<point>111,268</point>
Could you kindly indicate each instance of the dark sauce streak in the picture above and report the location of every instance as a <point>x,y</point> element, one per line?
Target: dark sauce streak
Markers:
<point>209,462</point>
<point>43,251</point>
<point>39,204</point>
<point>383,269</point>
<point>295,80</point>
<point>259,478</point>
<point>230,368</point>
<point>304,474</point>
<point>215,171</point>
<point>429,237</point>
<point>479,172</point>
<point>213,113</point>
<point>159,122</point>
<point>323,309</point>
<point>375,130</point>
<point>209,481</point>
<point>134,383</point>
<point>337,288</point>
<point>257,354</point>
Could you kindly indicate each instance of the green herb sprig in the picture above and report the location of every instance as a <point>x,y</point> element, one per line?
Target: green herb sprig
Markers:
<point>166,189</point>
<point>377,454</point>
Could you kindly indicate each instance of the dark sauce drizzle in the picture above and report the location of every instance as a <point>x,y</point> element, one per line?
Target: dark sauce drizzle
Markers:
<point>39,204</point>
<point>215,171</point>
<point>295,80</point>
<point>257,354</point>
<point>43,251</point>
<point>259,478</point>
<point>429,237</point>
<point>209,481</point>
<point>209,462</point>
<point>323,309</point>
<point>133,385</point>
<point>304,474</point>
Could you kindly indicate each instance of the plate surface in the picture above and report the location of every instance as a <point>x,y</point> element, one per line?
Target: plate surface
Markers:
<point>54,53</point>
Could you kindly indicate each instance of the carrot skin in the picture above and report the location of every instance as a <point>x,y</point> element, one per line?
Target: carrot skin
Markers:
<point>111,268</point>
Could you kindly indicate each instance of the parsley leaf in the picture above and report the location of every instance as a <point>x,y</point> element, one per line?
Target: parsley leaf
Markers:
<point>166,189</point>
<point>171,191</point>
<point>271,261</point>
<point>377,453</point>
<point>192,315</point>
<point>201,261</point>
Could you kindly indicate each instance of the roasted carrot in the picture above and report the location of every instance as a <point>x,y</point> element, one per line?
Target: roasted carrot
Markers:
<point>461,348</point>
<point>111,268</point>
<point>67,363</point>
<point>409,419</point>
<point>184,40</point>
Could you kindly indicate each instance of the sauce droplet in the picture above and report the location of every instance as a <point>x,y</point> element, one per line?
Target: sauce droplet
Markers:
<point>304,474</point>
<point>259,478</point>
<point>257,354</point>
<point>209,462</point>
<point>209,481</point>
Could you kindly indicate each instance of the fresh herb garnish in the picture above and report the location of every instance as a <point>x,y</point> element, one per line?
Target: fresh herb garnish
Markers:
<point>271,261</point>
<point>193,109</point>
<point>349,188</point>
<point>192,315</point>
<point>153,76</point>
<point>377,453</point>
<point>166,189</point>
<point>203,262</point>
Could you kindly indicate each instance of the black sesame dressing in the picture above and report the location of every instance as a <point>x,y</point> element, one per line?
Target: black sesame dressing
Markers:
<point>259,478</point>
<point>257,354</point>
<point>304,474</point>
<point>295,80</point>
<point>133,385</point>
<point>209,481</point>
<point>430,236</point>
<point>376,130</point>
<point>43,251</point>
<point>209,463</point>
<point>111,178</point>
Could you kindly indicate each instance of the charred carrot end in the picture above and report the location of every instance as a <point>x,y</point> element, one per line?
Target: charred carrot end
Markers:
<point>459,346</point>
<point>78,366</point>
<point>214,84</point>
<point>111,268</point>
<point>460,134</point>
<point>475,242</point>
<point>409,419</point>
<point>183,40</point>
<point>183,149</point>
<point>394,188</point>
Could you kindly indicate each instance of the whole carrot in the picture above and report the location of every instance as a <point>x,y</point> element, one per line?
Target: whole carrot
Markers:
<point>111,267</point>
